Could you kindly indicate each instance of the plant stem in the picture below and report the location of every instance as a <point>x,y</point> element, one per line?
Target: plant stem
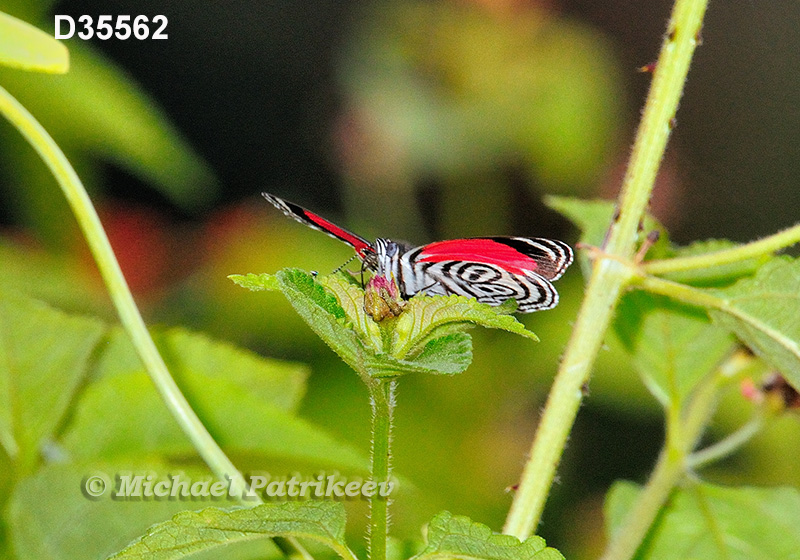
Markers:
<point>681,292</point>
<point>682,436</point>
<point>627,539</point>
<point>726,446</point>
<point>565,397</point>
<point>121,296</point>
<point>701,298</point>
<point>382,399</point>
<point>759,248</point>
<point>609,275</point>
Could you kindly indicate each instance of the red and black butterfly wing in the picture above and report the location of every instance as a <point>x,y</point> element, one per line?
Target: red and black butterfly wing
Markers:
<point>547,258</point>
<point>361,245</point>
<point>491,269</point>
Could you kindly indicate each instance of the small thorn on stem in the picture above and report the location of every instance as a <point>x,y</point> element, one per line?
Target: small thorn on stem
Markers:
<point>649,241</point>
<point>648,68</point>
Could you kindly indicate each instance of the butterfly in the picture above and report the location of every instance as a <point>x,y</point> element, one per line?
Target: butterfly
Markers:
<point>489,269</point>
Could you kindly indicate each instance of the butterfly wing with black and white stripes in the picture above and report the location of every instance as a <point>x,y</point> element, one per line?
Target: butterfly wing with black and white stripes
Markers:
<point>490,269</point>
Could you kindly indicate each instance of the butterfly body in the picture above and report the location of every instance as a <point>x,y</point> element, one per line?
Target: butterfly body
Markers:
<point>489,269</point>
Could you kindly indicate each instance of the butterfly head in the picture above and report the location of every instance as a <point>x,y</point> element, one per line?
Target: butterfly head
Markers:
<point>387,257</point>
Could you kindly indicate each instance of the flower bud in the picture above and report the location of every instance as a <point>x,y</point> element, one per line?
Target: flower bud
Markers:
<point>382,298</point>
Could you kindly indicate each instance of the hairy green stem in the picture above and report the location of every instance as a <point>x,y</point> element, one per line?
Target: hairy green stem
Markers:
<point>609,275</point>
<point>684,430</point>
<point>565,397</point>
<point>765,246</point>
<point>121,296</point>
<point>382,397</point>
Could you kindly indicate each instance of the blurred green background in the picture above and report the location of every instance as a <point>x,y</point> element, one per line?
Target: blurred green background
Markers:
<point>410,120</point>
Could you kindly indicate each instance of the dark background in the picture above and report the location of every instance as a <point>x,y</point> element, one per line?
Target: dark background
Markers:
<point>252,86</point>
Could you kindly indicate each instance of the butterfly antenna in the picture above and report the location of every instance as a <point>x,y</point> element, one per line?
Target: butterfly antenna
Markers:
<point>363,264</point>
<point>345,263</point>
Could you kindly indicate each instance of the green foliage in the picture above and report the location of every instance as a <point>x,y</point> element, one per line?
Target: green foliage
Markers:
<point>36,387</point>
<point>427,337</point>
<point>88,400</point>
<point>712,522</point>
<point>25,47</point>
<point>49,518</point>
<point>211,528</point>
<point>548,97</point>
<point>456,536</point>
<point>131,130</point>
<point>673,346</point>
<point>54,279</point>
<point>247,402</point>
<point>196,359</point>
<point>764,312</point>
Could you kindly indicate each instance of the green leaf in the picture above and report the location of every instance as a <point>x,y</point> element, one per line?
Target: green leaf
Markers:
<point>197,359</point>
<point>351,297</point>
<point>59,280</point>
<point>593,218</point>
<point>212,528</point>
<point>323,313</point>
<point>25,47</point>
<point>714,522</point>
<point>245,401</point>
<point>716,275</point>
<point>256,282</point>
<point>448,354</point>
<point>456,536</point>
<point>123,416</point>
<point>44,356</point>
<point>338,318</point>
<point>276,382</point>
<point>49,518</point>
<point>764,312</point>
<point>619,500</point>
<point>426,318</point>
<point>673,346</point>
<point>109,115</point>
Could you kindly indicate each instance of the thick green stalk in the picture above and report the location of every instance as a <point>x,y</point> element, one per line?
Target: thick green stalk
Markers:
<point>609,276</point>
<point>120,293</point>
<point>381,393</point>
